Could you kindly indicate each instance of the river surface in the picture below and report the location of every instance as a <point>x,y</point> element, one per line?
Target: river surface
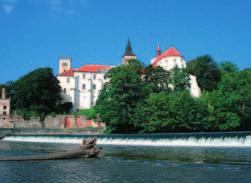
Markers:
<point>129,163</point>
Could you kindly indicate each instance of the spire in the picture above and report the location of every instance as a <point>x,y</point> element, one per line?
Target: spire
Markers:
<point>158,50</point>
<point>129,51</point>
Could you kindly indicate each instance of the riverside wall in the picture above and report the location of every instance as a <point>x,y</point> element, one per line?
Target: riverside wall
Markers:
<point>11,131</point>
<point>57,121</point>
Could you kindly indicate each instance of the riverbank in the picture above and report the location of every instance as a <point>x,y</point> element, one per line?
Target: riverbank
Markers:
<point>13,131</point>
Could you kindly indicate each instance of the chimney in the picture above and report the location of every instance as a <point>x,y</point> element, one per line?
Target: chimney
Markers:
<point>3,93</point>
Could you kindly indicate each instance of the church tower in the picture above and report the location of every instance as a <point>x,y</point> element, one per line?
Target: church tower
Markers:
<point>128,54</point>
<point>64,64</point>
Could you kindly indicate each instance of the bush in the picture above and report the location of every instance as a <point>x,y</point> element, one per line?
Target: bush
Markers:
<point>89,113</point>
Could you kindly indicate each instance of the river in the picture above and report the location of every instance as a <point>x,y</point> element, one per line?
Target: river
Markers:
<point>174,158</point>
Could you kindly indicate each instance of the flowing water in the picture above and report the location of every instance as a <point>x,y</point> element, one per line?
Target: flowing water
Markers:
<point>203,157</point>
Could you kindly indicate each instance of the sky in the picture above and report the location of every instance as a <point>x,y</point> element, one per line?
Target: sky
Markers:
<point>36,33</point>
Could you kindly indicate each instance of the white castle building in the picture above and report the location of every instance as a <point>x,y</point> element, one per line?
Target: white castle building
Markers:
<point>82,86</point>
<point>172,58</point>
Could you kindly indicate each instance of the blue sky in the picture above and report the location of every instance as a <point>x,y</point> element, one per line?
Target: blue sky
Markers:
<point>35,33</point>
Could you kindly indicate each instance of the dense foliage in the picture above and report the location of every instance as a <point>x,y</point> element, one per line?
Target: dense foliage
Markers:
<point>36,94</point>
<point>119,98</point>
<point>207,72</point>
<point>167,112</point>
<point>139,99</point>
<point>89,113</point>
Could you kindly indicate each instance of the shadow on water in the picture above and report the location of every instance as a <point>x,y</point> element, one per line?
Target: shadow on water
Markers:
<point>181,154</point>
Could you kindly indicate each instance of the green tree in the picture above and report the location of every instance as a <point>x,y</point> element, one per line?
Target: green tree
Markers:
<point>168,112</point>
<point>157,78</point>
<point>136,65</point>
<point>179,79</point>
<point>207,72</point>
<point>89,113</point>
<point>119,98</point>
<point>240,84</point>
<point>228,67</point>
<point>37,92</point>
<point>219,106</point>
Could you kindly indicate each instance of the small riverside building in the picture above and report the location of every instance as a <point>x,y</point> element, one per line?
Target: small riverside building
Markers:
<point>4,110</point>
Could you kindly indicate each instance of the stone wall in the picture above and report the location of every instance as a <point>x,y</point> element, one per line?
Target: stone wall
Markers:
<point>11,131</point>
<point>4,121</point>
<point>19,122</point>
<point>57,121</point>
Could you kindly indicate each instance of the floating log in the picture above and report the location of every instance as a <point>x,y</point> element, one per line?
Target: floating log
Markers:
<point>87,149</point>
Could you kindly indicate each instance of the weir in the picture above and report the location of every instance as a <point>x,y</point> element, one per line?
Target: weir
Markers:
<point>240,139</point>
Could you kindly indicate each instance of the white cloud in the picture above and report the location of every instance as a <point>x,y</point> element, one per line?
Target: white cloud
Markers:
<point>7,6</point>
<point>66,7</point>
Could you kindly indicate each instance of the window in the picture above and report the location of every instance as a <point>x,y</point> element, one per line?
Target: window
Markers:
<point>174,59</point>
<point>83,86</point>
<point>68,80</point>
<point>94,87</point>
<point>94,76</point>
<point>83,76</point>
<point>64,90</point>
<point>4,107</point>
<point>4,113</point>
<point>65,64</point>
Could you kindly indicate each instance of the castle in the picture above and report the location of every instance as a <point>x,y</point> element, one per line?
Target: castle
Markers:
<point>82,85</point>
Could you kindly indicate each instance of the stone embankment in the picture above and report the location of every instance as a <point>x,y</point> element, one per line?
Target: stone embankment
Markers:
<point>57,121</point>
<point>16,131</point>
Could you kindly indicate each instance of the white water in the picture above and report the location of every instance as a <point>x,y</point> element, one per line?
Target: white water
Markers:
<point>190,141</point>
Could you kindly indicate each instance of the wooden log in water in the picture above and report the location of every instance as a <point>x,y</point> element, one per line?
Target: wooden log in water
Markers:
<point>87,149</point>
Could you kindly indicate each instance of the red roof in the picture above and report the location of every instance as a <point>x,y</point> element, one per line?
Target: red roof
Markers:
<point>93,68</point>
<point>168,53</point>
<point>67,73</point>
<point>85,68</point>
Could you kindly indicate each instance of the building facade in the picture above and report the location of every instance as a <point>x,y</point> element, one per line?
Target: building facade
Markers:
<point>4,110</point>
<point>82,86</point>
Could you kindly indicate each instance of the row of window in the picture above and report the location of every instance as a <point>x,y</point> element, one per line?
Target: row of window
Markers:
<point>84,77</point>
<point>93,76</point>
<point>94,87</point>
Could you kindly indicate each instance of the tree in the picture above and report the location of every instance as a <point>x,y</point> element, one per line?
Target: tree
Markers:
<point>118,99</point>
<point>206,71</point>
<point>136,65</point>
<point>219,106</point>
<point>157,78</point>
<point>240,84</point>
<point>37,92</point>
<point>89,113</point>
<point>168,112</point>
<point>228,67</point>
<point>179,79</point>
